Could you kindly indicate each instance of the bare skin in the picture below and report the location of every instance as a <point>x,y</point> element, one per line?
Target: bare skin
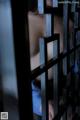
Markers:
<point>36,28</point>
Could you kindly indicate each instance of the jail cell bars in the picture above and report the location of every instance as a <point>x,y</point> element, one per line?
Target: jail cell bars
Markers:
<point>66,95</point>
<point>67,60</point>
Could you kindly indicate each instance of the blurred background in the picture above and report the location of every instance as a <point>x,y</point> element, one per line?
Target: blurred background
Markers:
<point>7,62</point>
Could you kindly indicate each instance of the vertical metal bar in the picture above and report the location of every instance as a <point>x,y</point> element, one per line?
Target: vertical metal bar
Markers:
<point>41,6</point>
<point>78,58</point>
<point>65,66</point>
<point>22,57</point>
<point>47,31</point>
<point>73,9</point>
<point>55,89</point>
<point>55,49</point>
<point>1,89</point>
<point>75,19</point>
<point>44,79</point>
<point>77,72</point>
<point>55,77</point>
<point>52,23</point>
<point>59,78</point>
<point>55,3</point>
<point>77,38</point>
<point>66,39</point>
<point>73,6</point>
<point>79,19</point>
<point>65,24</point>
<point>66,32</point>
<point>72,59</point>
<point>2,3</point>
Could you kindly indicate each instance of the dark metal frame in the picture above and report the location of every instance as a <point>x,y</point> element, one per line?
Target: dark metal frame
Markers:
<point>22,55</point>
<point>21,45</point>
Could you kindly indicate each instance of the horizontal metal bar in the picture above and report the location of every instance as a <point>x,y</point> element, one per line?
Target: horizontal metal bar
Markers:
<point>77,29</point>
<point>50,10</point>
<point>52,38</point>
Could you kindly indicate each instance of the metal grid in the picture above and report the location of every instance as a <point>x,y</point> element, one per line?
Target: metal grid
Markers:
<point>70,94</point>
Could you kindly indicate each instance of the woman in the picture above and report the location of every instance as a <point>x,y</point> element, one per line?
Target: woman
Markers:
<point>37,30</point>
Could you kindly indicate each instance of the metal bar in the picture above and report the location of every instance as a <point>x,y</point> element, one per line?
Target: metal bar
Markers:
<point>55,3</point>
<point>75,18</point>
<point>2,5</point>
<point>24,73</point>
<point>22,57</point>
<point>79,19</point>
<point>77,38</point>
<point>47,25</point>
<point>73,7</point>
<point>65,66</point>
<point>55,89</point>
<point>56,77</point>
<point>44,79</point>
<point>41,6</point>
<point>66,32</point>
<point>52,38</point>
